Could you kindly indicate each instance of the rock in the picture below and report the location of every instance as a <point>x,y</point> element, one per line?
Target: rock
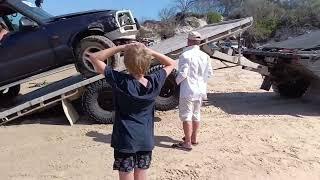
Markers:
<point>157,30</point>
<point>151,24</point>
<point>148,33</point>
<point>148,36</point>
<point>189,24</point>
<point>183,29</point>
<point>190,21</point>
<point>202,22</point>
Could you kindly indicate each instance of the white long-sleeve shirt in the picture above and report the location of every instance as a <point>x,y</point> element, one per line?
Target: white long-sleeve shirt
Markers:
<point>194,71</point>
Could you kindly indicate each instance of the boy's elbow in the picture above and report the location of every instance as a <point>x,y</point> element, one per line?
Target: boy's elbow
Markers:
<point>171,65</point>
<point>100,71</point>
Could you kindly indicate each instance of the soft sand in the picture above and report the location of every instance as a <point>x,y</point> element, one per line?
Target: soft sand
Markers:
<point>246,133</point>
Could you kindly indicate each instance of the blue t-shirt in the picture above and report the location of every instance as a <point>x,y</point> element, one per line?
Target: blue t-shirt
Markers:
<point>134,110</point>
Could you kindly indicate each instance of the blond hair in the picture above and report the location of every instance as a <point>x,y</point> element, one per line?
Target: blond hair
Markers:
<point>137,60</point>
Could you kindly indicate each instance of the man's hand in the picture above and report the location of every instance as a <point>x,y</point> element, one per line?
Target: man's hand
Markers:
<point>163,59</point>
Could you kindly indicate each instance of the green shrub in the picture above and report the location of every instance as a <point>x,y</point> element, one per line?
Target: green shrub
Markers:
<point>213,17</point>
<point>264,28</point>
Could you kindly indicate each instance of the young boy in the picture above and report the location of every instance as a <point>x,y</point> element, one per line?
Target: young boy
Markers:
<point>134,100</point>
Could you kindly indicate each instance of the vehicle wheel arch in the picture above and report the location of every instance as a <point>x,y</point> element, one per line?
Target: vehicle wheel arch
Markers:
<point>91,44</point>
<point>168,98</point>
<point>83,34</point>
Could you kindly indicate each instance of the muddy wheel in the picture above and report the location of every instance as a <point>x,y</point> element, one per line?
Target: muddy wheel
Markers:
<point>292,89</point>
<point>93,44</point>
<point>97,102</point>
<point>169,95</point>
<point>10,92</point>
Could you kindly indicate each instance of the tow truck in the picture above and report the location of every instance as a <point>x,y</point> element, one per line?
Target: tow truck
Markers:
<point>95,93</point>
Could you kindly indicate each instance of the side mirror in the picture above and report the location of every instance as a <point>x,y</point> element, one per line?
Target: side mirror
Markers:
<point>27,24</point>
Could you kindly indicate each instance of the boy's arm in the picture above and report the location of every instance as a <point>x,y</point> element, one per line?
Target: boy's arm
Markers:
<point>97,59</point>
<point>165,60</point>
<point>183,70</point>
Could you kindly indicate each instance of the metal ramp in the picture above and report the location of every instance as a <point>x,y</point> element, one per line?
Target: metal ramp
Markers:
<point>59,91</point>
<point>71,87</point>
<point>38,76</point>
<point>210,33</point>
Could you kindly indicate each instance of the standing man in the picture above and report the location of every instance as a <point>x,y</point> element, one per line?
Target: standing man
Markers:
<point>194,70</point>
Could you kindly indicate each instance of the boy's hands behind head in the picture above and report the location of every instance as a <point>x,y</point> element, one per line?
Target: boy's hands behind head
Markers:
<point>135,45</point>
<point>139,45</point>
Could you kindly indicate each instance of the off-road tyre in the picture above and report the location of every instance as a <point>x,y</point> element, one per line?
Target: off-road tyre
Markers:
<point>293,89</point>
<point>169,95</point>
<point>97,102</point>
<point>11,93</point>
<point>93,44</point>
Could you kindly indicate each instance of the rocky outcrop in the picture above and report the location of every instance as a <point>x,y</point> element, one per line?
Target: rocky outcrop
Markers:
<point>190,23</point>
<point>157,30</point>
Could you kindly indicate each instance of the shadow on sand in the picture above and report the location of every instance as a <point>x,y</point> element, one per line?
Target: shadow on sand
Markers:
<point>265,103</point>
<point>160,141</point>
<point>238,103</point>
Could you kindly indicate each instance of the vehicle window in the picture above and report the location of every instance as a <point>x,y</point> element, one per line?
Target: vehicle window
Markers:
<point>14,21</point>
<point>31,8</point>
<point>28,7</point>
<point>125,19</point>
<point>2,23</point>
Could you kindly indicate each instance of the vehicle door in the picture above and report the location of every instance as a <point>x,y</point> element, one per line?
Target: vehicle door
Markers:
<point>25,50</point>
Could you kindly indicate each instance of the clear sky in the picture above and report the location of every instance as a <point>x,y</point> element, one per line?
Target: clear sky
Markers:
<point>142,9</point>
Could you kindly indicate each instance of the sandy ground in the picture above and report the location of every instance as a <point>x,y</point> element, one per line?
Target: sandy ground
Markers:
<point>246,133</point>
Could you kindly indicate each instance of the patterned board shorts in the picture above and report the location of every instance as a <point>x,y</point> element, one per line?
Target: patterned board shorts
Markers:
<point>127,162</point>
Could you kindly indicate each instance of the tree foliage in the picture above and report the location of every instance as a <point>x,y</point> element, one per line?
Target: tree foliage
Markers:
<point>184,5</point>
<point>269,15</point>
<point>167,13</point>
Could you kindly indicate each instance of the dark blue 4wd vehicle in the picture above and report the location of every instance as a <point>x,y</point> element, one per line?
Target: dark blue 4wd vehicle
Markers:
<point>33,41</point>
